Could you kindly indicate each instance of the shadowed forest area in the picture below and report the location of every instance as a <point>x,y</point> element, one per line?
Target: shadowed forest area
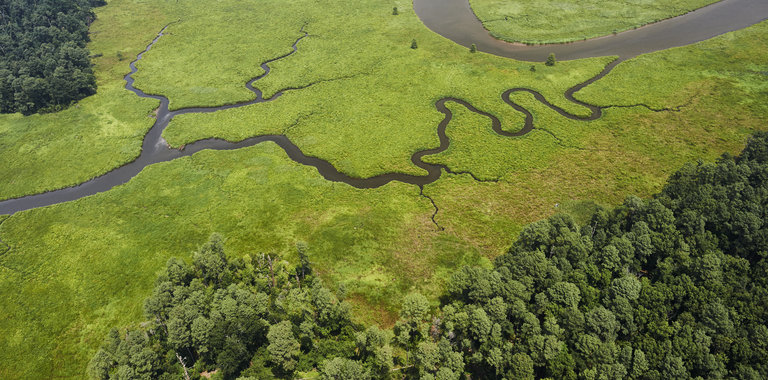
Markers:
<point>45,65</point>
<point>673,287</point>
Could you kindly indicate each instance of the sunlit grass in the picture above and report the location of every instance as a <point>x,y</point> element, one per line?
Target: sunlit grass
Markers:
<point>373,102</point>
<point>555,21</point>
<point>99,133</point>
<point>79,268</point>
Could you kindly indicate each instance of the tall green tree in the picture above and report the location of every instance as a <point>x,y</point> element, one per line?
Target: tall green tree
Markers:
<point>283,347</point>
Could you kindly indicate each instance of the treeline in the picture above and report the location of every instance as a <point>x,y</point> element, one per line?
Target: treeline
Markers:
<point>44,65</point>
<point>674,287</point>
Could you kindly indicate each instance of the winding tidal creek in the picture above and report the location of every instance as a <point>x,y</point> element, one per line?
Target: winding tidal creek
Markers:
<point>454,20</point>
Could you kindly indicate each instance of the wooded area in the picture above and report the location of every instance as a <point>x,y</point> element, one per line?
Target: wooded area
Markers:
<point>45,65</point>
<point>674,287</point>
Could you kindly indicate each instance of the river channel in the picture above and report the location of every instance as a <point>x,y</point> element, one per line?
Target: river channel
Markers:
<point>454,20</point>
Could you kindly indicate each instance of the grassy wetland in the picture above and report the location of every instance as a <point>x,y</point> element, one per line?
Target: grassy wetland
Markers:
<point>551,21</point>
<point>361,99</point>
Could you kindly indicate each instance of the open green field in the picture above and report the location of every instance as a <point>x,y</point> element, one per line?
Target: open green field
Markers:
<point>79,268</point>
<point>76,269</point>
<point>51,151</point>
<point>556,21</point>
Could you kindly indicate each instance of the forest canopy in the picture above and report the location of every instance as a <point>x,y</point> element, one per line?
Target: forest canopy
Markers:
<point>674,287</point>
<point>45,65</point>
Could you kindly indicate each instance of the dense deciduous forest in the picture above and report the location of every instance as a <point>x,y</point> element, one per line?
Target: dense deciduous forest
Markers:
<point>45,65</point>
<point>674,287</point>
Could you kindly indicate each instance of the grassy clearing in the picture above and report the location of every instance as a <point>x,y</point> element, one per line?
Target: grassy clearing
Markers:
<point>557,21</point>
<point>373,104</point>
<point>476,148</point>
<point>51,151</point>
<point>628,151</point>
<point>719,86</point>
<point>78,268</point>
<point>210,68</point>
<point>733,65</point>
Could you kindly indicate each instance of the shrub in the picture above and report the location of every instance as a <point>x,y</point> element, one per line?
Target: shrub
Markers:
<point>551,60</point>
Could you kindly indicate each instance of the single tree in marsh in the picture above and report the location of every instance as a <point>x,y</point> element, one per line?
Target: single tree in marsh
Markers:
<point>551,60</point>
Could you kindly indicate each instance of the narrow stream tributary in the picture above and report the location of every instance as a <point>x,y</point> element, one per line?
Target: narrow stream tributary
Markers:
<point>454,20</point>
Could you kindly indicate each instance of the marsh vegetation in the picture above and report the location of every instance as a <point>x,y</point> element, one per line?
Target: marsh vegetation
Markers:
<point>75,270</point>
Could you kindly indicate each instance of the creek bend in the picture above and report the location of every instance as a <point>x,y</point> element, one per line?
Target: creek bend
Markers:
<point>452,19</point>
<point>455,20</point>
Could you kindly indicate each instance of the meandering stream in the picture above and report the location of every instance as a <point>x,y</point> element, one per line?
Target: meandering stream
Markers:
<point>452,19</point>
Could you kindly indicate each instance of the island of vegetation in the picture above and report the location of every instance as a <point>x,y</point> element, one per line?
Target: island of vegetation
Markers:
<point>559,21</point>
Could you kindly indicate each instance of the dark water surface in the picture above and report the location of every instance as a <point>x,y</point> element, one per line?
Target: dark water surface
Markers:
<point>454,20</point>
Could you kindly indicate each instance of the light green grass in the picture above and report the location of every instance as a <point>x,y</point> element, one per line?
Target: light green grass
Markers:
<point>556,21</point>
<point>374,105</point>
<point>733,65</point>
<point>213,48</point>
<point>476,148</point>
<point>51,151</point>
<point>715,91</point>
<point>631,150</point>
<point>79,268</point>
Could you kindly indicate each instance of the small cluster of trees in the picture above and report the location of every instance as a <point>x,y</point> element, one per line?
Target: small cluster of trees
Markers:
<point>249,317</point>
<point>44,63</point>
<point>674,287</point>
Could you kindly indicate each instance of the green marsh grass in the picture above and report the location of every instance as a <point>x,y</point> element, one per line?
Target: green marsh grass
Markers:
<point>79,268</point>
<point>373,102</point>
<point>51,151</point>
<point>558,21</point>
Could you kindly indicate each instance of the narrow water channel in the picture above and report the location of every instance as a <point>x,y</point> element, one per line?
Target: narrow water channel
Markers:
<point>454,20</point>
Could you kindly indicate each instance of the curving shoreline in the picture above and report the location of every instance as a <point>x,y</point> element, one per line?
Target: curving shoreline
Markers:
<point>155,149</point>
<point>455,20</point>
<point>567,40</point>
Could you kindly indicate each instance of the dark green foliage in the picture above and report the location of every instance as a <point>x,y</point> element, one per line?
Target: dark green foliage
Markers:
<point>726,200</point>
<point>232,357</point>
<point>674,287</point>
<point>473,48</point>
<point>395,12</point>
<point>247,316</point>
<point>551,60</point>
<point>373,348</point>
<point>412,326</point>
<point>344,369</point>
<point>304,268</point>
<point>283,347</point>
<point>44,63</point>
<point>414,45</point>
<point>211,263</point>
